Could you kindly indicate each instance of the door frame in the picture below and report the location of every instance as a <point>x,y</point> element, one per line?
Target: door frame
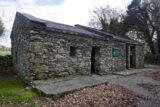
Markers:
<point>95,53</point>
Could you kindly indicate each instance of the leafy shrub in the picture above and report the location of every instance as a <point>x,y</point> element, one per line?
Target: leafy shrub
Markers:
<point>150,58</point>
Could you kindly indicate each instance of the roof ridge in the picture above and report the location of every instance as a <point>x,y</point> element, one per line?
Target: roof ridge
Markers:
<point>80,29</point>
<point>33,18</point>
<point>50,25</point>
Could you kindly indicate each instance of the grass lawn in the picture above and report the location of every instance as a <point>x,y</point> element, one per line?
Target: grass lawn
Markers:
<point>11,90</point>
<point>5,53</point>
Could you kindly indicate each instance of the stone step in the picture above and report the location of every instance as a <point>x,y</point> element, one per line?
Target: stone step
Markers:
<point>65,85</point>
<point>72,83</point>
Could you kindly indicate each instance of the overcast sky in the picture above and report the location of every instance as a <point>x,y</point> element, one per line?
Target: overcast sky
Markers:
<point>63,11</point>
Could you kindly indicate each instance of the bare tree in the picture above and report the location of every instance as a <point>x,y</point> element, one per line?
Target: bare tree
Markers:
<point>108,19</point>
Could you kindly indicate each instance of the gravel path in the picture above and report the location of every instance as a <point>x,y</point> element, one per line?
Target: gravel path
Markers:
<point>152,66</point>
<point>142,90</point>
<point>106,95</point>
<point>142,85</point>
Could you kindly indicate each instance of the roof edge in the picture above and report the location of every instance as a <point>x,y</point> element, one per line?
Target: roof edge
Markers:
<point>31,18</point>
<point>54,29</point>
<point>125,39</point>
<point>92,30</point>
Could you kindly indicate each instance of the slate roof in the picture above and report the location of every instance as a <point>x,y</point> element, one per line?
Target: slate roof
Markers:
<point>116,37</point>
<point>57,26</point>
<point>79,29</point>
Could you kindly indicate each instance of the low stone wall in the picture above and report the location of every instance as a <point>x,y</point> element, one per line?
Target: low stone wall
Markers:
<point>5,61</point>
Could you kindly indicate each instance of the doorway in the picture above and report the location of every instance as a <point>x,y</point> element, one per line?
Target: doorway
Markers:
<point>130,57</point>
<point>127,64</point>
<point>95,60</point>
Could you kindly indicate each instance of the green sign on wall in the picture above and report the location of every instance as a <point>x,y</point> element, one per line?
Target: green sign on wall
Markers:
<point>115,52</point>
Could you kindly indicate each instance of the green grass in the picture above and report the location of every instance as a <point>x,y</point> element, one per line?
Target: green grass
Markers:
<point>5,53</point>
<point>11,91</point>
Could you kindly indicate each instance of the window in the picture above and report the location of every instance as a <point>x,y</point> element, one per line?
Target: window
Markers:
<point>72,51</point>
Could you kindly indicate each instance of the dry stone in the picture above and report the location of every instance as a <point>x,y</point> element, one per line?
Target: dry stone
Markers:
<point>42,49</point>
<point>5,62</point>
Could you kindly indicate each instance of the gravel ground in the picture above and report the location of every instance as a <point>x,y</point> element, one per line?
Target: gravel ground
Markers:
<point>152,66</point>
<point>146,84</point>
<point>154,75</point>
<point>140,90</point>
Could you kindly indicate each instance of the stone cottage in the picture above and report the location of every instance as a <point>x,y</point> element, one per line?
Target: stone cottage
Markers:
<point>42,49</point>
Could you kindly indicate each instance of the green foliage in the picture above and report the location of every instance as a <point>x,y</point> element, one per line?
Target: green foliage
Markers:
<point>143,17</point>
<point>11,91</point>
<point>5,53</point>
<point>1,27</point>
<point>152,58</point>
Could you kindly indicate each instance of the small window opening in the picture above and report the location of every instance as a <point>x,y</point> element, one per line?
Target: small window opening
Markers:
<point>72,51</point>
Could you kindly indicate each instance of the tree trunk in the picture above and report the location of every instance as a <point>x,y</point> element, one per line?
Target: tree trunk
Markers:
<point>150,43</point>
<point>151,46</point>
<point>158,40</point>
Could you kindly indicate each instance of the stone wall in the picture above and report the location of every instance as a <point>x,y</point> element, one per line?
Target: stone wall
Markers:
<point>139,56</point>
<point>50,54</point>
<point>20,45</point>
<point>42,53</point>
<point>119,62</point>
<point>5,62</point>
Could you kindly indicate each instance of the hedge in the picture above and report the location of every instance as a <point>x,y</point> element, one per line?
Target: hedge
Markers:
<point>5,61</point>
<point>155,59</point>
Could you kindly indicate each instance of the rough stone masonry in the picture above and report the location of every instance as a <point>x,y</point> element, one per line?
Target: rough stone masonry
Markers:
<point>42,50</point>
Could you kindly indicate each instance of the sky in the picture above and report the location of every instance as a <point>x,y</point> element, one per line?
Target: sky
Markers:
<point>68,12</point>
